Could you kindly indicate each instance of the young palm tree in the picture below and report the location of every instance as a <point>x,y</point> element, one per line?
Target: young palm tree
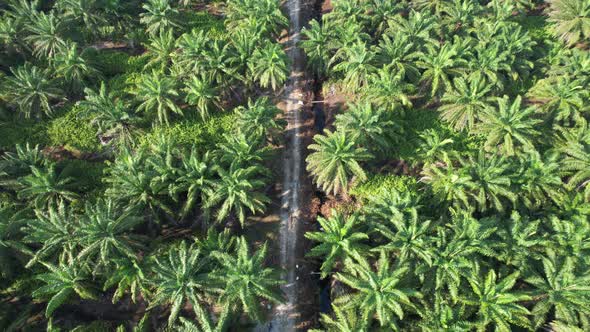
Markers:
<point>191,51</point>
<point>511,127</point>
<point>162,48</point>
<point>496,304</point>
<point>245,280</point>
<point>53,230</point>
<point>159,16</point>
<point>61,283</point>
<point>32,91</point>
<point>46,186</point>
<point>103,233</point>
<point>269,65</point>
<point>113,119</point>
<point>379,294</point>
<point>561,290</point>
<point>369,127</point>
<point>442,317</point>
<point>356,64</point>
<point>335,159</point>
<point>203,95</point>
<point>236,191</point>
<point>214,241</point>
<point>259,120</point>
<point>45,34</point>
<point>463,105</point>
<point>71,66</point>
<point>571,19</point>
<point>440,64</point>
<point>343,321</point>
<point>195,177</point>
<point>157,93</point>
<point>341,238</point>
<point>178,276</point>
<point>491,62</point>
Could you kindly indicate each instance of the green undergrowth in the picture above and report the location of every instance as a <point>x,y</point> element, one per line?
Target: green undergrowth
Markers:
<point>378,183</point>
<point>188,132</point>
<point>73,131</point>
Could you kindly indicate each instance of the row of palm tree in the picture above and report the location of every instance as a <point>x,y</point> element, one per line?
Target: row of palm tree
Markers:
<point>490,117</point>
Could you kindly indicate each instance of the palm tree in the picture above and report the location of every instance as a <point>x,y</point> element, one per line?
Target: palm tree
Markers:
<point>491,181</point>
<point>449,184</point>
<point>113,119</point>
<point>562,97</point>
<point>434,6</point>
<point>159,16</point>
<point>341,238</point>
<point>45,34</point>
<point>335,159</point>
<point>245,280</point>
<point>356,63</point>
<point>103,233</point>
<point>509,127</point>
<point>519,240</point>
<point>46,186</point>
<point>70,65</point>
<point>133,182</point>
<point>398,53</point>
<point>539,178</point>
<point>17,164</point>
<point>571,237</point>
<point>195,176</point>
<point>236,191</point>
<point>417,26</point>
<point>407,236</point>
<point>259,120</point>
<point>380,294</point>
<point>440,64</point>
<point>61,283</point>
<point>315,44</point>
<point>561,290</point>
<point>490,62</point>
<point>54,231</point>
<point>459,14</point>
<point>369,127</point>
<point>387,89</point>
<point>240,151</point>
<point>11,222</point>
<point>433,146</point>
<point>129,277</point>
<point>265,14</point>
<point>88,13</point>
<point>442,317</point>
<point>214,241</point>
<point>571,18</point>
<point>343,321</point>
<point>31,90</point>
<point>269,65</point>
<point>203,95</point>
<point>496,304</point>
<point>463,104</point>
<point>156,93</point>
<point>162,48</point>
<point>180,275</point>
